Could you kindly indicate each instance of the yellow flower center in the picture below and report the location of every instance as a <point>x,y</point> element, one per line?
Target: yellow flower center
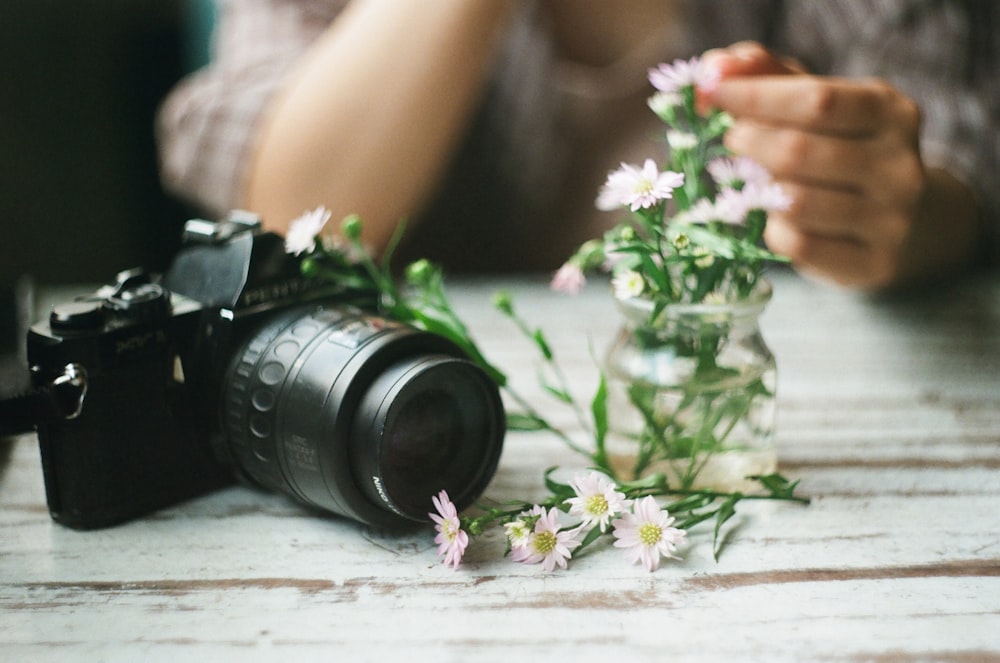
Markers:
<point>545,542</point>
<point>517,530</point>
<point>643,186</point>
<point>597,505</point>
<point>650,534</point>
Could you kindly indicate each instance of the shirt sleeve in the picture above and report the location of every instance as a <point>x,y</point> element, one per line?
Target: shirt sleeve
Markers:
<point>206,126</point>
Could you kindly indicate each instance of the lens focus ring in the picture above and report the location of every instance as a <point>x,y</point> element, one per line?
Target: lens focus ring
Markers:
<point>253,388</point>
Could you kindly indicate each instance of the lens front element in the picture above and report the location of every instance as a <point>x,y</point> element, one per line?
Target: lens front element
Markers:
<point>427,424</point>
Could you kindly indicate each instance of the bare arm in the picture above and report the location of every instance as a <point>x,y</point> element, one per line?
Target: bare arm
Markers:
<point>371,114</point>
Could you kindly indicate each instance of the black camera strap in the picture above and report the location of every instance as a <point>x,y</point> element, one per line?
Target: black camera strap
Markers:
<point>18,414</point>
<point>61,398</point>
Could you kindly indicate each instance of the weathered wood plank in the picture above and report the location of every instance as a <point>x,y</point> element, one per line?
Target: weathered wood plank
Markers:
<point>889,414</point>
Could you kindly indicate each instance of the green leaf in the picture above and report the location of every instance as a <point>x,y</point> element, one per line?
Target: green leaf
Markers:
<point>554,486</point>
<point>681,199</point>
<point>518,421</point>
<point>694,518</point>
<point>390,249</point>
<point>599,409</point>
<point>636,248</point>
<point>560,394</point>
<point>691,502</point>
<point>652,482</point>
<point>592,535</point>
<point>543,345</point>
<point>458,336</point>
<point>779,487</point>
<point>715,244</point>
<point>437,325</point>
<point>726,511</point>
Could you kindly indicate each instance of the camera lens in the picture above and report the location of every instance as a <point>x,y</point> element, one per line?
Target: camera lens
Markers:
<point>360,415</point>
<point>423,426</point>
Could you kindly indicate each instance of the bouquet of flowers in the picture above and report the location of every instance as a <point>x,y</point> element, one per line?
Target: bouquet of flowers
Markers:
<point>709,249</point>
<point>686,265</point>
<point>694,228</point>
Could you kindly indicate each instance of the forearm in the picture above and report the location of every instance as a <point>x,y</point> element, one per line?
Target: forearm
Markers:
<point>371,115</point>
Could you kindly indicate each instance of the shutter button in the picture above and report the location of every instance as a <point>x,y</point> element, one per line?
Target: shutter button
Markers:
<point>79,316</point>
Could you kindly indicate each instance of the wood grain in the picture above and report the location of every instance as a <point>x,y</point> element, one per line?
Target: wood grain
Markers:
<point>889,414</point>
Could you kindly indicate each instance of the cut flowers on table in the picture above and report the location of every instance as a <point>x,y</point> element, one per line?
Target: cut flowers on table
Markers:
<point>694,225</point>
<point>692,236</point>
<point>691,380</point>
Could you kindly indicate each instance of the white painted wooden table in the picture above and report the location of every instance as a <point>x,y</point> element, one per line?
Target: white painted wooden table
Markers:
<point>889,415</point>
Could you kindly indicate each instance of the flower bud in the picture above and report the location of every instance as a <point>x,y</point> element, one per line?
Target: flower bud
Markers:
<point>503,303</point>
<point>590,255</point>
<point>309,267</point>
<point>351,226</point>
<point>665,104</point>
<point>682,140</point>
<point>419,272</point>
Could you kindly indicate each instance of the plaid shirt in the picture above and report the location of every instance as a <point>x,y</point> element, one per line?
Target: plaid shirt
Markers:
<point>932,50</point>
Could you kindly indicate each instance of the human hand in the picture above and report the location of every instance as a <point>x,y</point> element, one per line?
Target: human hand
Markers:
<point>845,150</point>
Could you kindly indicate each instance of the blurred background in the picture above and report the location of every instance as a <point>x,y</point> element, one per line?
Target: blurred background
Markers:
<point>79,195</point>
<point>79,192</point>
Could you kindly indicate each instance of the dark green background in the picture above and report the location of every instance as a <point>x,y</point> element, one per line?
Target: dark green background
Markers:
<point>79,193</point>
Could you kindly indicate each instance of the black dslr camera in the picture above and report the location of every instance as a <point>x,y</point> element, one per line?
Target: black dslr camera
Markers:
<point>234,365</point>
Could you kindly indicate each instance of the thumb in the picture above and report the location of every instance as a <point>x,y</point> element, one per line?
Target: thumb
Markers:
<point>748,58</point>
<point>745,58</point>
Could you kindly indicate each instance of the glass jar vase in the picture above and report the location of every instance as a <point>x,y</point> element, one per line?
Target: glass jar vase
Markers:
<point>691,394</point>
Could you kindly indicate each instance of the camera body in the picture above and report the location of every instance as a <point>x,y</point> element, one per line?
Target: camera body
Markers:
<point>234,365</point>
<point>135,446</point>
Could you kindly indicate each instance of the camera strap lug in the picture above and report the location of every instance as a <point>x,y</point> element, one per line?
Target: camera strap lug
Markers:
<point>68,391</point>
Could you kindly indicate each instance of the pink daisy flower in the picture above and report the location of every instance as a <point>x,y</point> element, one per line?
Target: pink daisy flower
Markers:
<point>646,534</point>
<point>768,197</point>
<point>682,73</point>
<point>638,188</point>
<point>597,498</point>
<point>735,172</point>
<point>547,545</point>
<point>302,232</point>
<point>569,279</point>
<point>452,540</point>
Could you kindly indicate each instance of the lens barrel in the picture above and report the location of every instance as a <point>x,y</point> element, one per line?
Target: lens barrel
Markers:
<point>359,415</point>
